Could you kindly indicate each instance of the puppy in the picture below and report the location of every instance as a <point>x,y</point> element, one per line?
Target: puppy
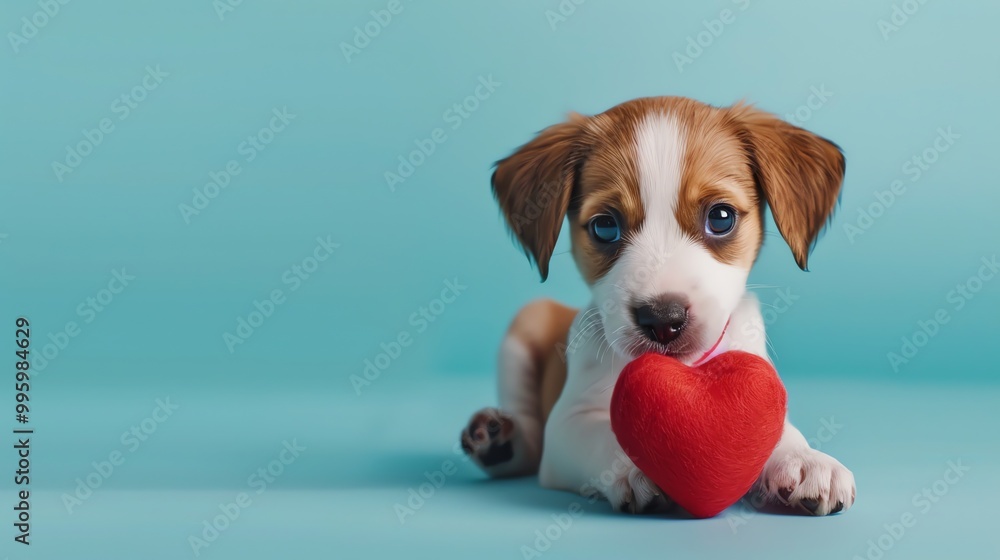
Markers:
<point>665,198</point>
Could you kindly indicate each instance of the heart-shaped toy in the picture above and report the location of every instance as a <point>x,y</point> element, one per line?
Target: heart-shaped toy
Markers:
<point>703,433</point>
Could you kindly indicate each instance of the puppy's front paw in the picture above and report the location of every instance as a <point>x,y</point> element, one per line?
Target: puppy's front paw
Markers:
<point>633,492</point>
<point>808,479</point>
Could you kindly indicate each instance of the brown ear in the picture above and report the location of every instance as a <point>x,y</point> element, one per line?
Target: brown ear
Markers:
<point>533,187</point>
<point>799,173</point>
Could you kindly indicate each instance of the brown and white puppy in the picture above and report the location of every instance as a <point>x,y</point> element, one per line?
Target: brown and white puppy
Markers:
<point>665,198</point>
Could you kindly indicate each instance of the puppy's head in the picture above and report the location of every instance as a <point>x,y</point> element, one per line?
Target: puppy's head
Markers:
<point>665,198</point>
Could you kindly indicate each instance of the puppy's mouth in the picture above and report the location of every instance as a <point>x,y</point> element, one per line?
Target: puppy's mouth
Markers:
<point>682,349</point>
<point>711,352</point>
<point>685,349</point>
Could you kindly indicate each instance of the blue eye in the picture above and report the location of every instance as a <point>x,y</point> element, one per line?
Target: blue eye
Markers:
<point>604,229</point>
<point>720,220</point>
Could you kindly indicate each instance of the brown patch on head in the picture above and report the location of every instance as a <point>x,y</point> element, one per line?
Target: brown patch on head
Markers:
<point>716,170</point>
<point>608,184</point>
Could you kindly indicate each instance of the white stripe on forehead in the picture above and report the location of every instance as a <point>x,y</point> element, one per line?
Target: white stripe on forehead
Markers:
<point>660,146</point>
<point>660,150</point>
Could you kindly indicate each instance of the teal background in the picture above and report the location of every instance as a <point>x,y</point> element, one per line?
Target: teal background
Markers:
<point>323,176</point>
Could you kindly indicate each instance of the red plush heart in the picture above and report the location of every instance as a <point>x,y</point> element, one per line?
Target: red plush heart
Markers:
<point>701,433</point>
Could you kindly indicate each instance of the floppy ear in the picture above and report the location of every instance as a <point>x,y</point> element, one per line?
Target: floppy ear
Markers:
<point>533,187</point>
<point>799,173</point>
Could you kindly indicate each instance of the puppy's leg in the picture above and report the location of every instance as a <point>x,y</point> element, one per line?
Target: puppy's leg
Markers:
<point>582,455</point>
<point>507,441</point>
<point>795,474</point>
<point>799,476</point>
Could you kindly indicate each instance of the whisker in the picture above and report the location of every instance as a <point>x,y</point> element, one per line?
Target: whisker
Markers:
<point>611,348</point>
<point>767,342</point>
<point>588,314</point>
<point>598,331</point>
<point>578,335</point>
<point>588,323</point>
<point>633,347</point>
<point>600,348</point>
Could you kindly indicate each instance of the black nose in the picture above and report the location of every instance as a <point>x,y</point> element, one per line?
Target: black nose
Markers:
<point>663,319</point>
